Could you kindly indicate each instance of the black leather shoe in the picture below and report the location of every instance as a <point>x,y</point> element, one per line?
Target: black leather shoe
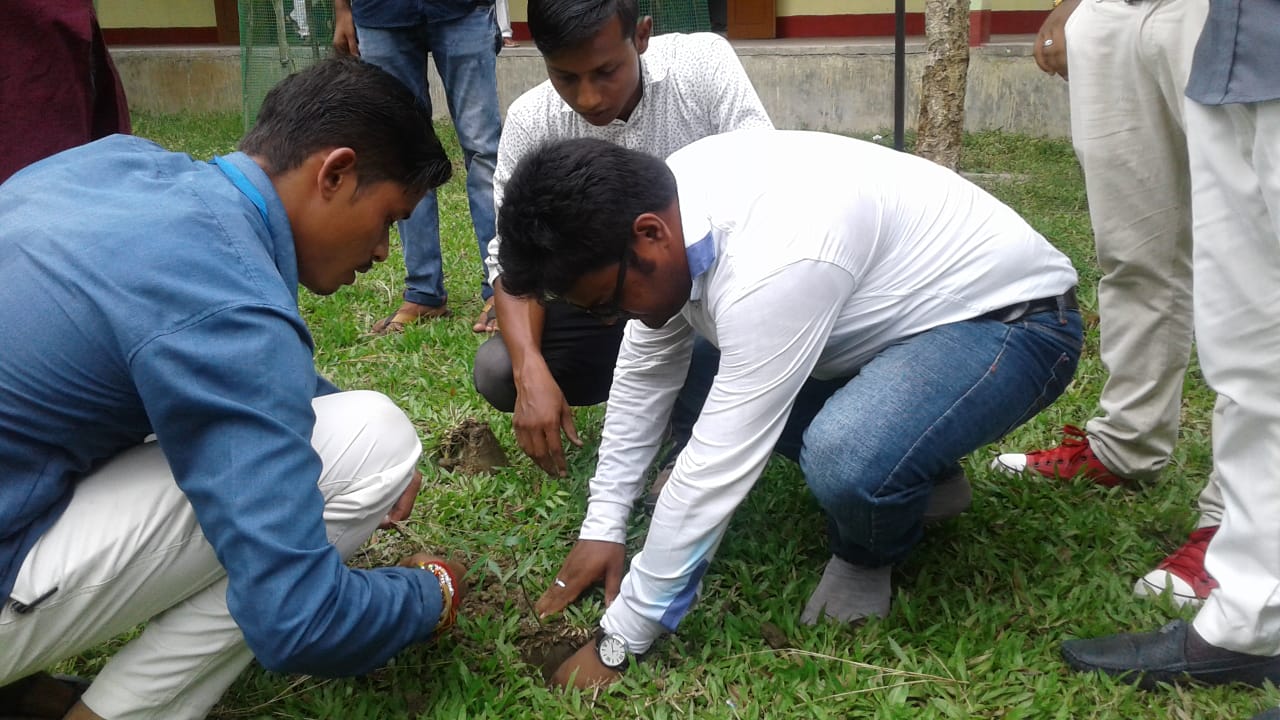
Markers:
<point>1175,653</point>
<point>1272,714</point>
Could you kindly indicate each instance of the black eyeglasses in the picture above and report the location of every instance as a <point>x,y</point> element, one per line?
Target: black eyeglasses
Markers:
<point>607,312</point>
<point>612,311</point>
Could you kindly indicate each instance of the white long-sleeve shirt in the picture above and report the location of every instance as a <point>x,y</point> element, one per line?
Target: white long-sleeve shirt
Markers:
<point>810,253</point>
<point>693,86</point>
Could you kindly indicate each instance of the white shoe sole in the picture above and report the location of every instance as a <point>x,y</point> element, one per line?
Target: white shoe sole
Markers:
<point>1010,463</point>
<point>1160,582</point>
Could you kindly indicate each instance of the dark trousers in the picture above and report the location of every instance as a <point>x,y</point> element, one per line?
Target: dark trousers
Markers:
<point>579,350</point>
<point>581,353</point>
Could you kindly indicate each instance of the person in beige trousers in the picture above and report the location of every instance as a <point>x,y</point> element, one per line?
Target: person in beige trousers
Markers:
<point>1130,62</point>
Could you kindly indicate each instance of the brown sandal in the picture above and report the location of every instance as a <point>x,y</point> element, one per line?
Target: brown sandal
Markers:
<point>407,314</point>
<point>488,320</point>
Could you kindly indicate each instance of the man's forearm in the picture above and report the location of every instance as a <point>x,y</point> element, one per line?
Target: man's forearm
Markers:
<point>521,320</point>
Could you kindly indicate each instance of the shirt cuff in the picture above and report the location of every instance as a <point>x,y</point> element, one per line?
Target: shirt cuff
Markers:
<point>606,521</point>
<point>492,269</point>
<point>637,630</point>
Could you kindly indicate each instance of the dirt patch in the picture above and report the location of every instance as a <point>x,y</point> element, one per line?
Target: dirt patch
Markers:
<point>774,637</point>
<point>544,645</point>
<point>470,447</point>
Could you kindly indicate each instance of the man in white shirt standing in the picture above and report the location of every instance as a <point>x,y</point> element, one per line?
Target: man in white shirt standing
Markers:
<point>607,80</point>
<point>876,325</point>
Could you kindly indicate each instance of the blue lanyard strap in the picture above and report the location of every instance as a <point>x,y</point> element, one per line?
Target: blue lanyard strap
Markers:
<point>242,184</point>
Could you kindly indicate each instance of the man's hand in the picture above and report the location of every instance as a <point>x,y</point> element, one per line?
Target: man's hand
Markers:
<point>585,670</point>
<point>589,562</point>
<point>404,505</point>
<point>456,569</point>
<point>344,29</point>
<point>540,413</point>
<point>1052,58</point>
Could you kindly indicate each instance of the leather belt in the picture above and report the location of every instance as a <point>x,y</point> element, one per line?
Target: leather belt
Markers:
<point>1017,311</point>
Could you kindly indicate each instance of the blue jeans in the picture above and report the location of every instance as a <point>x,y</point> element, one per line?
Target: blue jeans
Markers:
<point>871,446</point>
<point>465,52</point>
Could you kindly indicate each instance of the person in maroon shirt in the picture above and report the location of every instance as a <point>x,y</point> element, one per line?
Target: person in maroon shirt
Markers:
<point>58,86</point>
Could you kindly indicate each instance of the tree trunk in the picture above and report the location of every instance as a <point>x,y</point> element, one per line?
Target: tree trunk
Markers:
<point>946,71</point>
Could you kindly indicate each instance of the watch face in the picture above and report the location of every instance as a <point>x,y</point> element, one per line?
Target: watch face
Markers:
<point>612,651</point>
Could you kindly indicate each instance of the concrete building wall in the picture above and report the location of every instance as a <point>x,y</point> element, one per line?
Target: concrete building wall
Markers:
<point>849,88</point>
<point>842,87</point>
<point>180,79</point>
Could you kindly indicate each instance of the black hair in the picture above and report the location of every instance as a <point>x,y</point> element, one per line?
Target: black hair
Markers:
<point>345,102</point>
<point>568,210</point>
<point>558,25</point>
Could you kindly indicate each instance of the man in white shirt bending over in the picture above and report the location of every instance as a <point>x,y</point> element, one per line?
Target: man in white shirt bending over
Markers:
<point>607,80</point>
<point>878,317</point>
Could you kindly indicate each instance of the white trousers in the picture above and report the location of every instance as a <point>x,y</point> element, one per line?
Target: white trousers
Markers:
<point>1235,162</point>
<point>128,550</point>
<point>504,17</point>
<point>1129,64</point>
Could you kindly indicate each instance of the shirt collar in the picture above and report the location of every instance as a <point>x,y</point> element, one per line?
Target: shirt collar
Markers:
<point>280,234</point>
<point>702,255</point>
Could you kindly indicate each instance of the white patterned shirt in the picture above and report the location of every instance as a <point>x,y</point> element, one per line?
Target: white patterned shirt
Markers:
<point>694,86</point>
<point>810,254</point>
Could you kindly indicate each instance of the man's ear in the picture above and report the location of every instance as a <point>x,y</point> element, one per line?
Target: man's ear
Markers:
<point>650,232</point>
<point>337,168</point>
<point>644,28</point>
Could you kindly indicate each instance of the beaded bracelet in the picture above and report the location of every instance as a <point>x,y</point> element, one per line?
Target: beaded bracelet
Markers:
<point>449,610</point>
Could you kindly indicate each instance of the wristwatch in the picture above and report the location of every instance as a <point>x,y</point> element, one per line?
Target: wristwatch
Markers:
<point>612,651</point>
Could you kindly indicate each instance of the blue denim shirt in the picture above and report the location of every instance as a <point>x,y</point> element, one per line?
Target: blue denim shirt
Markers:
<point>141,291</point>
<point>1238,57</point>
<point>407,13</point>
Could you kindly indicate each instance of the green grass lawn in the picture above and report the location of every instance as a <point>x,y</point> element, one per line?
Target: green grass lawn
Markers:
<point>979,610</point>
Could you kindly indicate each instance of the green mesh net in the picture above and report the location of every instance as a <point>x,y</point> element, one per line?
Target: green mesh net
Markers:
<point>684,16</point>
<point>280,37</point>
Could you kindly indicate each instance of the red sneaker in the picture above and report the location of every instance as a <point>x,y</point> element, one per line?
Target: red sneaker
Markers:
<point>1073,457</point>
<point>1182,573</point>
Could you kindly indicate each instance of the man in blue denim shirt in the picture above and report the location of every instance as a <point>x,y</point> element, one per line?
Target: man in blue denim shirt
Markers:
<point>143,292</point>
<point>463,37</point>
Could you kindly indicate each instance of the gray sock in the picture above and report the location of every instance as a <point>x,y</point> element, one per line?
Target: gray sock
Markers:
<point>950,497</point>
<point>848,593</point>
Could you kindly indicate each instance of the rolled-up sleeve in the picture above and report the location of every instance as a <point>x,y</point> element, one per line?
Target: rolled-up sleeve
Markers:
<point>515,143</point>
